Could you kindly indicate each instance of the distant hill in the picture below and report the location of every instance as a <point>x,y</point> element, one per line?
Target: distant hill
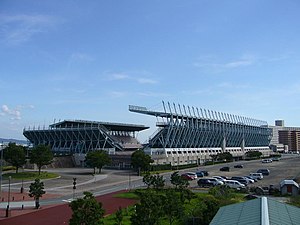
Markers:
<point>6,140</point>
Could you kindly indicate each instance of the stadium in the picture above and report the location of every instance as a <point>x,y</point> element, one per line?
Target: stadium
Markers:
<point>184,135</point>
<point>188,135</point>
<point>78,137</point>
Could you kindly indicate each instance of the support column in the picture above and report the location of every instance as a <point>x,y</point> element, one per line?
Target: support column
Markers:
<point>223,144</point>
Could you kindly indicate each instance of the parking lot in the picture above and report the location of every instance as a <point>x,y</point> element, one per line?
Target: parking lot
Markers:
<point>287,168</point>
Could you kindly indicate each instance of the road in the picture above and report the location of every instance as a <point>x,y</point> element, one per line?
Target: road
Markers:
<point>114,180</point>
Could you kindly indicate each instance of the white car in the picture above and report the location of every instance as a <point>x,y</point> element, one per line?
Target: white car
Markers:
<point>252,178</point>
<point>234,184</point>
<point>259,176</point>
<point>219,178</point>
<point>215,181</point>
<point>251,181</point>
<point>266,161</point>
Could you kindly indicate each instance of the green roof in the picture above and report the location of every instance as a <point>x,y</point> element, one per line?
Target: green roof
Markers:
<point>260,211</point>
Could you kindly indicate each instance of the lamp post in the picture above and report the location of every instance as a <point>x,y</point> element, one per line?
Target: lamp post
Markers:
<point>1,165</point>
<point>8,198</point>
<point>22,187</point>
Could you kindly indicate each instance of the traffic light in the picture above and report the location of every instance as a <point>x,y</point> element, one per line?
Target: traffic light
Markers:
<point>74,183</point>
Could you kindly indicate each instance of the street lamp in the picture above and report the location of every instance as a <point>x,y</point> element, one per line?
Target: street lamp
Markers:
<point>8,198</point>
<point>1,165</point>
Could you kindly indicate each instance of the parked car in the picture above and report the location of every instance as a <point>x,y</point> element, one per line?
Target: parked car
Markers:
<point>215,181</point>
<point>206,173</point>
<point>239,166</point>
<point>266,161</point>
<point>259,176</point>
<point>220,178</point>
<point>192,174</point>
<point>225,168</point>
<point>252,178</point>
<point>242,180</point>
<point>276,159</point>
<point>187,176</point>
<point>204,182</point>
<point>226,178</point>
<point>262,190</point>
<point>250,181</point>
<point>264,171</point>
<point>234,184</point>
<point>200,174</point>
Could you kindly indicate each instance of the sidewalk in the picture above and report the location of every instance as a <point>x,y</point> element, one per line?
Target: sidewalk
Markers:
<point>20,203</point>
<point>59,214</point>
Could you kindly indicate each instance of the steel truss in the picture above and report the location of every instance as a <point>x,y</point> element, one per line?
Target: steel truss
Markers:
<point>189,127</point>
<point>73,139</point>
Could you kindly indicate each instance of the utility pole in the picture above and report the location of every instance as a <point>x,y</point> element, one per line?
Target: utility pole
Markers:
<point>1,165</point>
<point>8,198</point>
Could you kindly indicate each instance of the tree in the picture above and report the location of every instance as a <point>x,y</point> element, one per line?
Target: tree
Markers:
<point>150,209</point>
<point>178,181</point>
<point>157,181</point>
<point>140,161</point>
<point>148,179</point>
<point>86,211</point>
<point>15,155</point>
<point>225,156</point>
<point>97,159</point>
<point>119,217</point>
<point>202,209</point>
<point>36,190</point>
<point>172,205</point>
<point>254,154</point>
<point>41,155</point>
<point>214,157</point>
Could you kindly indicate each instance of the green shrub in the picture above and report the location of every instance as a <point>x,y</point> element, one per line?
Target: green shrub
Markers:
<point>180,167</point>
<point>160,167</point>
<point>7,168</point>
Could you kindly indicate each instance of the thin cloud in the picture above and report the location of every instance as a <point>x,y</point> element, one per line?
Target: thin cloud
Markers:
<point>153,94</point>
<point>81,57</point>
<point>117,94</point>
<point>238,63</point>
<point>208,63</point>
<point>17,29</point>
<point>232,86</point>
<point>131,77</point>
<point>146,81</point>
<point>13,113</point>
<point>118,76</point>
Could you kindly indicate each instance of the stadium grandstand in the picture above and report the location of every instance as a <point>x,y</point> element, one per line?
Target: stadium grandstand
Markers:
<point>78,137</point>
<point>189,135</point>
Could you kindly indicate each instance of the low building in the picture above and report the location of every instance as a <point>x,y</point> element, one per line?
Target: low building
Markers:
<point>260,211</point>
<point>284,138</point>
<point>289,187</point>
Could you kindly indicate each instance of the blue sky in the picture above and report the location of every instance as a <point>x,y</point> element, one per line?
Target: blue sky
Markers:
<point>91,59</point>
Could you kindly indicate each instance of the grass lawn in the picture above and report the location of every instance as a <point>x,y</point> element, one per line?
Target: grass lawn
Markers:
<point>30,175</point>
<point>130,195</point>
